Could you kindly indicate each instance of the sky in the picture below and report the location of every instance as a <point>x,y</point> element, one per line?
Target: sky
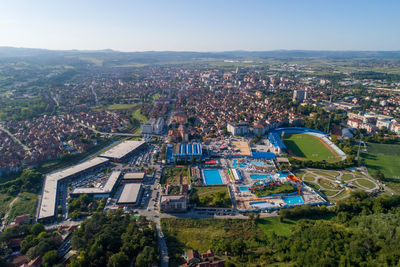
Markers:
<point>201,25</point>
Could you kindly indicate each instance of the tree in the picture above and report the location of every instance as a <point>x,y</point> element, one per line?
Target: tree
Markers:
<point>31,180</point>
<point>238,247</point>
<point>145,257</point>
<point>118,259</point>
<point>37,229</point>
<point>380,176</point>
<point>50,258</point>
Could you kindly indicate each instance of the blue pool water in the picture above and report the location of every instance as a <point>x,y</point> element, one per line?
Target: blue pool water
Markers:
<point>260,176</point>
<point>244,164</point>
<point>293,199</point>
<point>240,165</point>
<point>169,152</point>
<point>258,163</point>
<point>262,204</point>
<point>244,188</point>
<point>212,177</point>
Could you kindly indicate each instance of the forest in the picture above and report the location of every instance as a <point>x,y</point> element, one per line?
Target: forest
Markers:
<point>360,231</point>
<point>114,239</point>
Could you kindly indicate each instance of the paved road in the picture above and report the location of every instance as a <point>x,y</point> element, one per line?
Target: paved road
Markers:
<point>95,95</point>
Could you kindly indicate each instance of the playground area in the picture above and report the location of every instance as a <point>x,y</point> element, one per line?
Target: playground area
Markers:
<point>337,185</point>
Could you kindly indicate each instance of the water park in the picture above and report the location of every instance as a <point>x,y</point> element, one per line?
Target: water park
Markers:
<point>281,190</point>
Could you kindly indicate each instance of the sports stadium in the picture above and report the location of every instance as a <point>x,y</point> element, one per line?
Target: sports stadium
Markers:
<point>305,144</point>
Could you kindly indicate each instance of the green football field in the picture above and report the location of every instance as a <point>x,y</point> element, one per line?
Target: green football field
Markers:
<point>385,158</point>
<point>308,147</point>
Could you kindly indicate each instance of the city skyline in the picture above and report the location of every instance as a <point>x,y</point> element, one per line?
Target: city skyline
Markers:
<point>206,26</point>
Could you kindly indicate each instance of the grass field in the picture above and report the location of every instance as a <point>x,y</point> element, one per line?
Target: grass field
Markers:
<point>121,106</point>
<point>305,146</point>
<point>342,194</point>
<point>175,176</point>
<point>347,177</point>
<point>25,204</point>
<point>366,183</point>
<point>5,200</point>
<point>140,117</point>
<point>200,234</point>
<point>384,158</point>
<point>211,196</point>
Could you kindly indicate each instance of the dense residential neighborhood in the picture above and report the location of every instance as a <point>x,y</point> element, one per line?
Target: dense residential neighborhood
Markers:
<point>166,149</point>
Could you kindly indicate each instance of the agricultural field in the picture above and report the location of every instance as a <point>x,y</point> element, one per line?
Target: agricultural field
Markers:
<point>384,158</point>
<point>308,147</point>
<point>211,196</point>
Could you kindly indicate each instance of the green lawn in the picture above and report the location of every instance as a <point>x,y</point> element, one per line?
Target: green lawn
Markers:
<point>341,194</point>
<point>140,117</point>
<point>308,147</point>
<point>121,106</point>
<point>273,225</point>
<point>331,174</point>
<point>384,158</point>
<point>329,193</point>
<point>299,173</point>
<point>327,184</point>
<point>366,183</point>
<point>346,177</point>
<point>309,177</point>
<point>211,196</point>
<point>274,189</point>
<point>313,185</point>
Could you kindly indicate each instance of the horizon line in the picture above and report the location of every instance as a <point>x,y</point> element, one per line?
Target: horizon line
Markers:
<point>194,51</point>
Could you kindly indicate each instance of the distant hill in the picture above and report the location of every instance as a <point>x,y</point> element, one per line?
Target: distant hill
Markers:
<point>150,57</point>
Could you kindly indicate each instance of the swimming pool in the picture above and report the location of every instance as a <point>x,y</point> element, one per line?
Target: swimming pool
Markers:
<point>240,165</point>
<point>293,200</point>
<point>212,177</point>
<point>244,188</point>
<point>260,176</point>
<point>244,164</point>
<point>258,163</point>
<point>263,204</point>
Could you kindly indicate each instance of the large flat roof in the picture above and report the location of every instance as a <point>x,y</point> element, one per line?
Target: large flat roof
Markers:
<point>122,149</point>
<point>48,203</point>
<point>194,149</point>
<point>106,189</point>
<point>134,175</point>
<point>130,194</point>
